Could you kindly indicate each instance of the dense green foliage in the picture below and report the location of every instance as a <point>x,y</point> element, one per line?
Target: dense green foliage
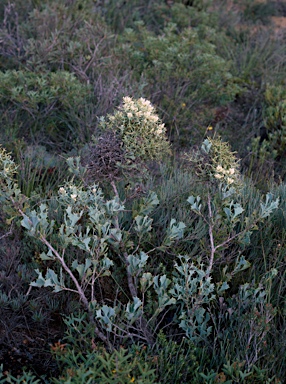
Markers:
<point>136,246</point>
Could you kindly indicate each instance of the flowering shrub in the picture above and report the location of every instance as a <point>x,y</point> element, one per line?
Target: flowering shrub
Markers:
<point>224,164</point>
<point>142,132</point>
<point>89,238</point>
<point>131,263</point>
<point>133,136</point>
<point>217,166</point>
<point>93,225</point>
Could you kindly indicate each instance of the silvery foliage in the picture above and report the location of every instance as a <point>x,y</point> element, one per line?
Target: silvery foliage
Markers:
<point>91,223</point>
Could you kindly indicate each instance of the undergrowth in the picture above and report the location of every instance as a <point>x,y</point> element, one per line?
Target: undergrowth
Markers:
<point>136,245</point>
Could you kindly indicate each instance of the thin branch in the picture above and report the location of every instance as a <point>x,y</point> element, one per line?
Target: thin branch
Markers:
<point>114,189</point>
<point>7,233</point>
<point>131,285</point>
<point>67,269</point>
<point>213,248</point>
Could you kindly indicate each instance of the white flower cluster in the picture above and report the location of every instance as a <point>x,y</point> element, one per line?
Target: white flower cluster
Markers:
<point>141,130</point>
<point>228,175</point>
<point>144,110</point>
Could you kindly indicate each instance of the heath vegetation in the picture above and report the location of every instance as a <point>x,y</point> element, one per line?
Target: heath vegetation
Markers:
<point>142,191</point>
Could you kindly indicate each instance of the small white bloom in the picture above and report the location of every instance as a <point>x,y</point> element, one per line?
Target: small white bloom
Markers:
<point>127,99</point>
<point>62,191</point>
<point>229,180</point>
<point>231,171</point>
<point>160,129</point>
<point>218,175</point>
<point>129,115</point>
<point>74,196</point>
<point>132,107</point>
<point>145,102</point>
<point>154,118</point>
<point>147,114</point>
<point>219,168</point>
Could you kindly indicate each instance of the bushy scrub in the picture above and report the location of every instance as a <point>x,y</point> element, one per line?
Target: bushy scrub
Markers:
<point>39,104</point>
<point>156,13</point>
<point>98,366</point>
<point>274,120</point>
<point>222,210</point>
<point>93,224</point>
<point>126,142</point>
<point>69,36</point>
<point>173,63</point>
<point>269,147</point>
<point>168,272</point>
<point>59,51</point>
<point>140,129</point>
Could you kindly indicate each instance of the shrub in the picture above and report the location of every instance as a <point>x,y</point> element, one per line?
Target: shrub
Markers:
<point>141,131</point>
<point>270,146</point>
<point>94,225</point>
<point>40,104</point>
<point>99,366</point>
<point>91,238</point>
<point>102,235</point>
<point>173,63</point>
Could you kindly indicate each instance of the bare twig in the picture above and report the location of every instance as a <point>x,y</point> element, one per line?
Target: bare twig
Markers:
<point>7,233</point>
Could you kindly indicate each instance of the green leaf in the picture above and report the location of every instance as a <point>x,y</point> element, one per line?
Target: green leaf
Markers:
<point>106,263</point>
<point>50,280</point>
<point>195,203</point>
<point>82,268</point>
<point>73,217</point>
<point>133,310</point>
<point>233,211</point>
<point>26,223</point>
<point>136,263</point>
<point>114,206</point>
<point>206,146</point>
<point>143,224</point>
<point>269,206</point>
<point>106,316</point>
<point>244,239</point>
<point>237,211</point>
<point>175,232</point>
<point>40,282</point>
<point>47,256</point>
<point>147,205</point>
<point>86,241</point>
<point>115,237</point>
<point>240,265</point>
<point>223,287</point>
<point>146,281</point>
